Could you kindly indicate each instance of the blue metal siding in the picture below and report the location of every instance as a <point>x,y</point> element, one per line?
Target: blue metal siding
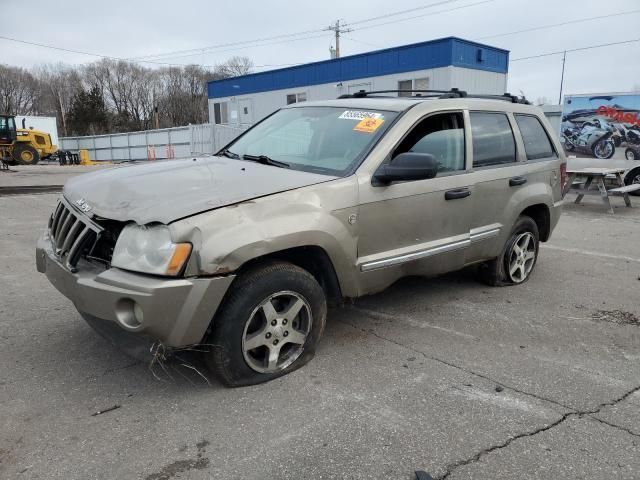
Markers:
<point>465,54</point>
<point>418,56</point>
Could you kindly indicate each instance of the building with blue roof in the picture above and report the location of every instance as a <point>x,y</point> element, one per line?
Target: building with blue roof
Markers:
<point>437,64</point>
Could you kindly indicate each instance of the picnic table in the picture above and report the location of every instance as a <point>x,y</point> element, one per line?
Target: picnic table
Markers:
<point>598,175</point>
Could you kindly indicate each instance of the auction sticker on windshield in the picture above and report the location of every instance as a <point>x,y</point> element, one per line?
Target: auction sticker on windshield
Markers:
<point>368,125</point>
<point>358,115</point>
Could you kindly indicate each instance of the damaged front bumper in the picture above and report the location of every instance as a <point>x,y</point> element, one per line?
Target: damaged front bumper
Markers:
<point>176,312</point>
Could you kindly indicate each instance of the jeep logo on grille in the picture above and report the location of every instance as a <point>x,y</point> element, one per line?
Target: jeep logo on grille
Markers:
<point>82,205</point>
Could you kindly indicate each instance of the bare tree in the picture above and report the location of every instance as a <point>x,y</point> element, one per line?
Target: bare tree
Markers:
<point>237,66</point>
<point>19,91</point>
<point>130,93</point>
<point>58,85</point>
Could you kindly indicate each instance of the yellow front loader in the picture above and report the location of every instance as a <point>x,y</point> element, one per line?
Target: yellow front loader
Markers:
<point>23,146</point>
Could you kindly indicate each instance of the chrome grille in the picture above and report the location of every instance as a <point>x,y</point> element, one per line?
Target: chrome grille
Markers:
<point>71,234</point>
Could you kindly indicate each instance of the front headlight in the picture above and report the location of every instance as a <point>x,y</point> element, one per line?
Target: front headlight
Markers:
<point>149,249</point>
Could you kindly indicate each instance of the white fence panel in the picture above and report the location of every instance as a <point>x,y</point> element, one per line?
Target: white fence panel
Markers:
<point>103,142</point>
<point>179,142</point>
<point>120,140</point>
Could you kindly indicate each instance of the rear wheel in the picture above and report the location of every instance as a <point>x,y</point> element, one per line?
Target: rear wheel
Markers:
<point>517,260</point>
<point>268,326</point>
<point>24,154</point>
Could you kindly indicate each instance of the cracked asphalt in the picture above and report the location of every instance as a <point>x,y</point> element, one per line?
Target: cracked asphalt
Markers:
<point>443,375</point>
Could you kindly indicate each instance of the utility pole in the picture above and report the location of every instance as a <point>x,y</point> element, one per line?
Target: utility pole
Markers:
<point>564,60</point>
<point>338,30</point>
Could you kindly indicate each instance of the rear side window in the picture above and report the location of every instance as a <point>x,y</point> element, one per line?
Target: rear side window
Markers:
<point>493,142</point>
<point>535,138</point>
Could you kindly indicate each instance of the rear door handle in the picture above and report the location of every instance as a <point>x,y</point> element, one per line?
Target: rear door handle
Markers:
<point>457,193</point>
<point>515,181</point>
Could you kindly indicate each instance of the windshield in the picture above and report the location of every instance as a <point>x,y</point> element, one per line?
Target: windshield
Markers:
<point>325,140</point>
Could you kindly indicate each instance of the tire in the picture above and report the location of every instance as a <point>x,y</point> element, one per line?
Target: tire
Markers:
<point>497,273</point>
<point>244,320</point>
<point>24,154</point>
<point>631,154</point>
<point>633,177</point>
<point>599,153</point>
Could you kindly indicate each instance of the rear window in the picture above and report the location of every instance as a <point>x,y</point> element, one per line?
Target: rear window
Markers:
<point>493,142</point>
<point>536,141</point>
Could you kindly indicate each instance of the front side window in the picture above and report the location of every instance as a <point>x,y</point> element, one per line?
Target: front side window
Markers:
<point>493,142</point>
<point>326,140</point>
<point>535,138</point>
<point>439,135</point>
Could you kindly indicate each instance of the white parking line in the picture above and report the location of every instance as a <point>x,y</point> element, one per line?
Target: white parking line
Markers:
<point>591,253</point>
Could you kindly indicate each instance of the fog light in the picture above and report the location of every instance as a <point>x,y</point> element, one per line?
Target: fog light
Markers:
<point>129,314</point>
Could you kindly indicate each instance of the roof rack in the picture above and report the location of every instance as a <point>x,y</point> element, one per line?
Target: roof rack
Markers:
<point>453,93</point>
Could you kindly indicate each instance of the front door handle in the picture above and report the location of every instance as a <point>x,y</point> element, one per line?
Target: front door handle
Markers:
<point>457,193</point>
<point>515,181</point>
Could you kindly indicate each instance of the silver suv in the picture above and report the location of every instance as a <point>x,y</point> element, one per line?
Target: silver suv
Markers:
<point>320,201</point>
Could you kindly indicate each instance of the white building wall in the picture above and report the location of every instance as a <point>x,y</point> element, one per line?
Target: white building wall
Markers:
<point>44,124</point>
<point>259,105</point>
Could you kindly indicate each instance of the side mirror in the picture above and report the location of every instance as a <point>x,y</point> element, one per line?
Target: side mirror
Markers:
<point>405,167</point>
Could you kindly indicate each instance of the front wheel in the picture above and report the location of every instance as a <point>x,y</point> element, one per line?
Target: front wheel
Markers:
<point>269,325</point>
<point>631,154</point>
<point>518,258</point>
<point>24,154</point>
<point>604,149</point>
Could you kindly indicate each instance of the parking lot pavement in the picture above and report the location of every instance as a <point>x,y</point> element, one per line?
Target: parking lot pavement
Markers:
<point>444,375</point>
<point>44,174</point>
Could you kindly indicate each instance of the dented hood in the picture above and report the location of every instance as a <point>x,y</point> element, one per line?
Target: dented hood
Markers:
<point>166,191</point>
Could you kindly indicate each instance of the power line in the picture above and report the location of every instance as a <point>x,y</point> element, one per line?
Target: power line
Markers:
<point>422,15</point>
<point>234,49</point>
<point>571,22</point>
<point>401,12</point>
<point>201,50</point>
<point>575,50</point>
<point>291,36</point>
<point>80,52</point>
<point>350,37</point>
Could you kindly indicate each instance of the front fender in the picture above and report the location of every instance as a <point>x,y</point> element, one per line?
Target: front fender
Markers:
<point>227,238</point>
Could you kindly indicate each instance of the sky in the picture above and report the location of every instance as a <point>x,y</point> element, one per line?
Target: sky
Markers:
<point>136,28</point>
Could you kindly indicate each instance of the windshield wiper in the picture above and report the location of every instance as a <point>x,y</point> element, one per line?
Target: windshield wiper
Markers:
<point>263,159</point>
<point>228,153</point>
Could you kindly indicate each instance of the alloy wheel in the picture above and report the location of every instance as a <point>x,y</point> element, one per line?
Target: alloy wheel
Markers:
<point>275,334</point>
<point>522,257</point>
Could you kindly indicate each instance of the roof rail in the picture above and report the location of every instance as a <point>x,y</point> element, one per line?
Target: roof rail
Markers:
<point>453,93</point>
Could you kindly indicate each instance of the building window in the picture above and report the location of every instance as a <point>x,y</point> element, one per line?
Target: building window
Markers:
<point>296,97</point>
<point>421,84</point>
<point>415,84</point>
<point>404,85</point>
<point>220,113</point>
